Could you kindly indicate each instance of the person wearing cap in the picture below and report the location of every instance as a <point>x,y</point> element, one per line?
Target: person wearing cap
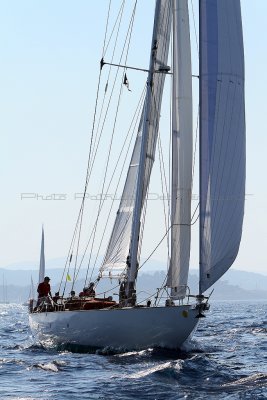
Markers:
<point>44,288</point>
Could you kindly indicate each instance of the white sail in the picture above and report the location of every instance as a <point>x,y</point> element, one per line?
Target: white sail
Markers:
<point>42,260</point>
<point>32,290</point>
<point>155,86</point>
<point>118,248</point>
<point>181,152</point>
<point>222,135</point>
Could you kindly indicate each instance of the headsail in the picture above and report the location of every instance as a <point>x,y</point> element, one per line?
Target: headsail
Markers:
<point>118,248</point>
<point>222,137</point>
<point>42,260</point>
<point>181,151</point>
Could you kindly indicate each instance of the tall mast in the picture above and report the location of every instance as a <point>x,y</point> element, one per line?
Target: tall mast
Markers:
<point>200,135</point>
<point>155,84</point>
<point>132,271</point>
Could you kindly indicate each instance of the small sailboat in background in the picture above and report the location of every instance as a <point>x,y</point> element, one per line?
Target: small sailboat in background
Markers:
<point>32,302</point>
<point>42,259</point>
<point>130,322</point>
<point>4,292</point>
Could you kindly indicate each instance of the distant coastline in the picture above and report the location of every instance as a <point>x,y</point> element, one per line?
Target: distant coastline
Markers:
<point>235,284</point>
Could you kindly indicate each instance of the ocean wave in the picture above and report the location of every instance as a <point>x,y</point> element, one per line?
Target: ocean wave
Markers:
<point>259,379</point>
<point>167,366</point>
<point>50,366</point>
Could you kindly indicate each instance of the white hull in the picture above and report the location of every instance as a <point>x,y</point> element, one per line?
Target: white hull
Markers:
<point>125,328</point>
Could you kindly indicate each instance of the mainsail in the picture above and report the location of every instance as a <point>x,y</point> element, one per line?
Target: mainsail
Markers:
<point>181,152</point>
<point>222,137</point>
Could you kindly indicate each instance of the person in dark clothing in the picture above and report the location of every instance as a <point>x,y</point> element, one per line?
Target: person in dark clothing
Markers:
<point>44,288</point>
<point>89,291</point>
<point>56,297</point>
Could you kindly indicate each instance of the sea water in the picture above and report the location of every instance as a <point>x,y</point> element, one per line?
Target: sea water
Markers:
<point>226,359</point>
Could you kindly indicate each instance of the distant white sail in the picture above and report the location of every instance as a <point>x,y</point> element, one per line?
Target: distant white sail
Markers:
<point>32,290</point>
<point>222,130</point>
<point>181,152</point>
<point>42,260</point>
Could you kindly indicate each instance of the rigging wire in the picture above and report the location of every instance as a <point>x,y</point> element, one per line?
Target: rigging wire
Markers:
<point>134,118</point>
<point>109,154</point>
<point>80,214</point>
<point>142,227</point>
<point>80,217</point>
<point>112,58</point>
<point>161,240</point>
<point>128,37</point>
<point>120,176</point>
<point>99,134</point>
<point>164,190</point>
<point>106,29</point>
<point>195,29</point>
<point>114,26</point>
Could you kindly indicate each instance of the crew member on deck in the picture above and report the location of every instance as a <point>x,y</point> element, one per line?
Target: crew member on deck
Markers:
<point>89,291</point>
<point>56,297</point>
<point>44,288</point>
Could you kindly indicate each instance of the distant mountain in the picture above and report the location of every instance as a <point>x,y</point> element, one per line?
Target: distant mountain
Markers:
<point>223,289</point>
<point>251,281</point>
<point>246,280</point>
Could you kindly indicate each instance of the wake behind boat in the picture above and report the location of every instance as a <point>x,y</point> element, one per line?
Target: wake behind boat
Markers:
<point>167,317</point>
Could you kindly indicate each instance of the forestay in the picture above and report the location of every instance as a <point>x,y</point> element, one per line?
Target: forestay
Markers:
<point>222,131</point>
<point>181,152</point>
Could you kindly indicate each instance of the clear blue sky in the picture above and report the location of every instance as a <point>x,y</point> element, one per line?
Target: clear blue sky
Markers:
<point>49,56</point>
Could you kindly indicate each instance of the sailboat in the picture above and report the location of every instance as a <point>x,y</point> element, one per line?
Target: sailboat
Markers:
<point>42,259</point>
<point>128,323</point>
<point>4,292</point>
<point>31,302</point>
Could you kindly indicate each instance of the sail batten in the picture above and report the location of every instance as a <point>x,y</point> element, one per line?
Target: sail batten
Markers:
<point>222,137</point>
